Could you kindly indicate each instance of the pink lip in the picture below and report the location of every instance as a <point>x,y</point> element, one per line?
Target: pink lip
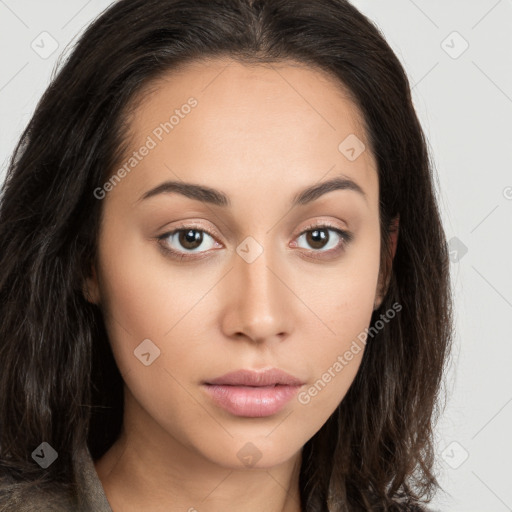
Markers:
<point>253,394</point>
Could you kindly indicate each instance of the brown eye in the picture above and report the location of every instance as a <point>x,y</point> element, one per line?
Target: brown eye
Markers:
<point>317,238</point>
<point>325,238</point>
<point>190,239</point>
<point>187,240</point>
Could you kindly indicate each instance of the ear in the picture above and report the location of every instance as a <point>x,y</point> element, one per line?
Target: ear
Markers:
<point>90,288</point>
<point>383,288</point>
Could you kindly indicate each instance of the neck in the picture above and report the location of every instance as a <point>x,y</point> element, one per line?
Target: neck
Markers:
<point>147,469</point>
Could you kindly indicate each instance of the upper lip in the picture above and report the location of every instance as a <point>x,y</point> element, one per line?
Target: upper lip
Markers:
<point>268,377</point>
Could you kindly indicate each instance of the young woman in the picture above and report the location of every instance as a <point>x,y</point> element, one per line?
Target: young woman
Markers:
<point>224,279</point>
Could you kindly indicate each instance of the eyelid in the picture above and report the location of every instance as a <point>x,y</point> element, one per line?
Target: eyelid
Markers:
<point>191,225</point>
<point>321,224</point>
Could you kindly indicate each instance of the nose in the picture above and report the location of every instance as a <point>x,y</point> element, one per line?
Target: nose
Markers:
<point>258,304</point>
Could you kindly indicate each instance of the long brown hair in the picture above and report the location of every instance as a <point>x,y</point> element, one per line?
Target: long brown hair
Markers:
<point>58,380</point>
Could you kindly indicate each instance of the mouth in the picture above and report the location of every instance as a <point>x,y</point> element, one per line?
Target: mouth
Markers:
<point>253,394</point>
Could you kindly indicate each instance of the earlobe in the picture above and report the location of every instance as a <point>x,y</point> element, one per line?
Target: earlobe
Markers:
<point>394,234</point>
<point>382,290</point>
<point>90,288</point>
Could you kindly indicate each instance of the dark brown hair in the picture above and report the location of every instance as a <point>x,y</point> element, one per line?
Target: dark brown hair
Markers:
<point>58,380</point>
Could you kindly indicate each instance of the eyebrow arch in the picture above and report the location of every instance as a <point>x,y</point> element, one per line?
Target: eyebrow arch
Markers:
<point>218,198</point>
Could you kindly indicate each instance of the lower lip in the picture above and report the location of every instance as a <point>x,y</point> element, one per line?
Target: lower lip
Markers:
<point>252,402</point>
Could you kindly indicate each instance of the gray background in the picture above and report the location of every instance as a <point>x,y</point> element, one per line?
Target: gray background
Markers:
<point>464,99</point>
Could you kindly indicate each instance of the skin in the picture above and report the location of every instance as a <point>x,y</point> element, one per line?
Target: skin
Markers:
<point>260,134</point>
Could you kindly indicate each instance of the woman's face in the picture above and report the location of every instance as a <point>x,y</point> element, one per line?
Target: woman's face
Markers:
<point>247,286</point>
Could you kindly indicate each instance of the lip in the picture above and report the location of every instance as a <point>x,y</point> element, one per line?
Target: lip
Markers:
<point>267,377</point>
<point>251,393</point>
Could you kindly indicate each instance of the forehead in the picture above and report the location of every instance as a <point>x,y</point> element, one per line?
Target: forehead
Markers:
<point>262,126</point>
<point>223,83</point>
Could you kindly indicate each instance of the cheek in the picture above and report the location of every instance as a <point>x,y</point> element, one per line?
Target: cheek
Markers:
<point>344,295</point>
<point>333,360</point>
<point>150,312</point>
<point>129,294</point>
<point>344,305</point>
<point>136,294</point>
<point>145,298</point>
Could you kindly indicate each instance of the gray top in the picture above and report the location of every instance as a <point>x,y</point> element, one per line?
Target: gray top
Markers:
<point>89,496</point>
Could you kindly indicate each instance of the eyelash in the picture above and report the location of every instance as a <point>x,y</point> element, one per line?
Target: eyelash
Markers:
<point>346,238</point>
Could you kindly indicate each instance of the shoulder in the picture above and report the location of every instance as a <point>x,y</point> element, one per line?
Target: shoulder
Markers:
<point>27,497</point>
<point>84,494</point>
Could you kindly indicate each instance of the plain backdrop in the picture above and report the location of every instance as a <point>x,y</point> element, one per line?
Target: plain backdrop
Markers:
<point>458,56</point>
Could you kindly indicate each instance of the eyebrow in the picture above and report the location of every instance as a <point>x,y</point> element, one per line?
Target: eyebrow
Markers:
<point>218,198</point>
